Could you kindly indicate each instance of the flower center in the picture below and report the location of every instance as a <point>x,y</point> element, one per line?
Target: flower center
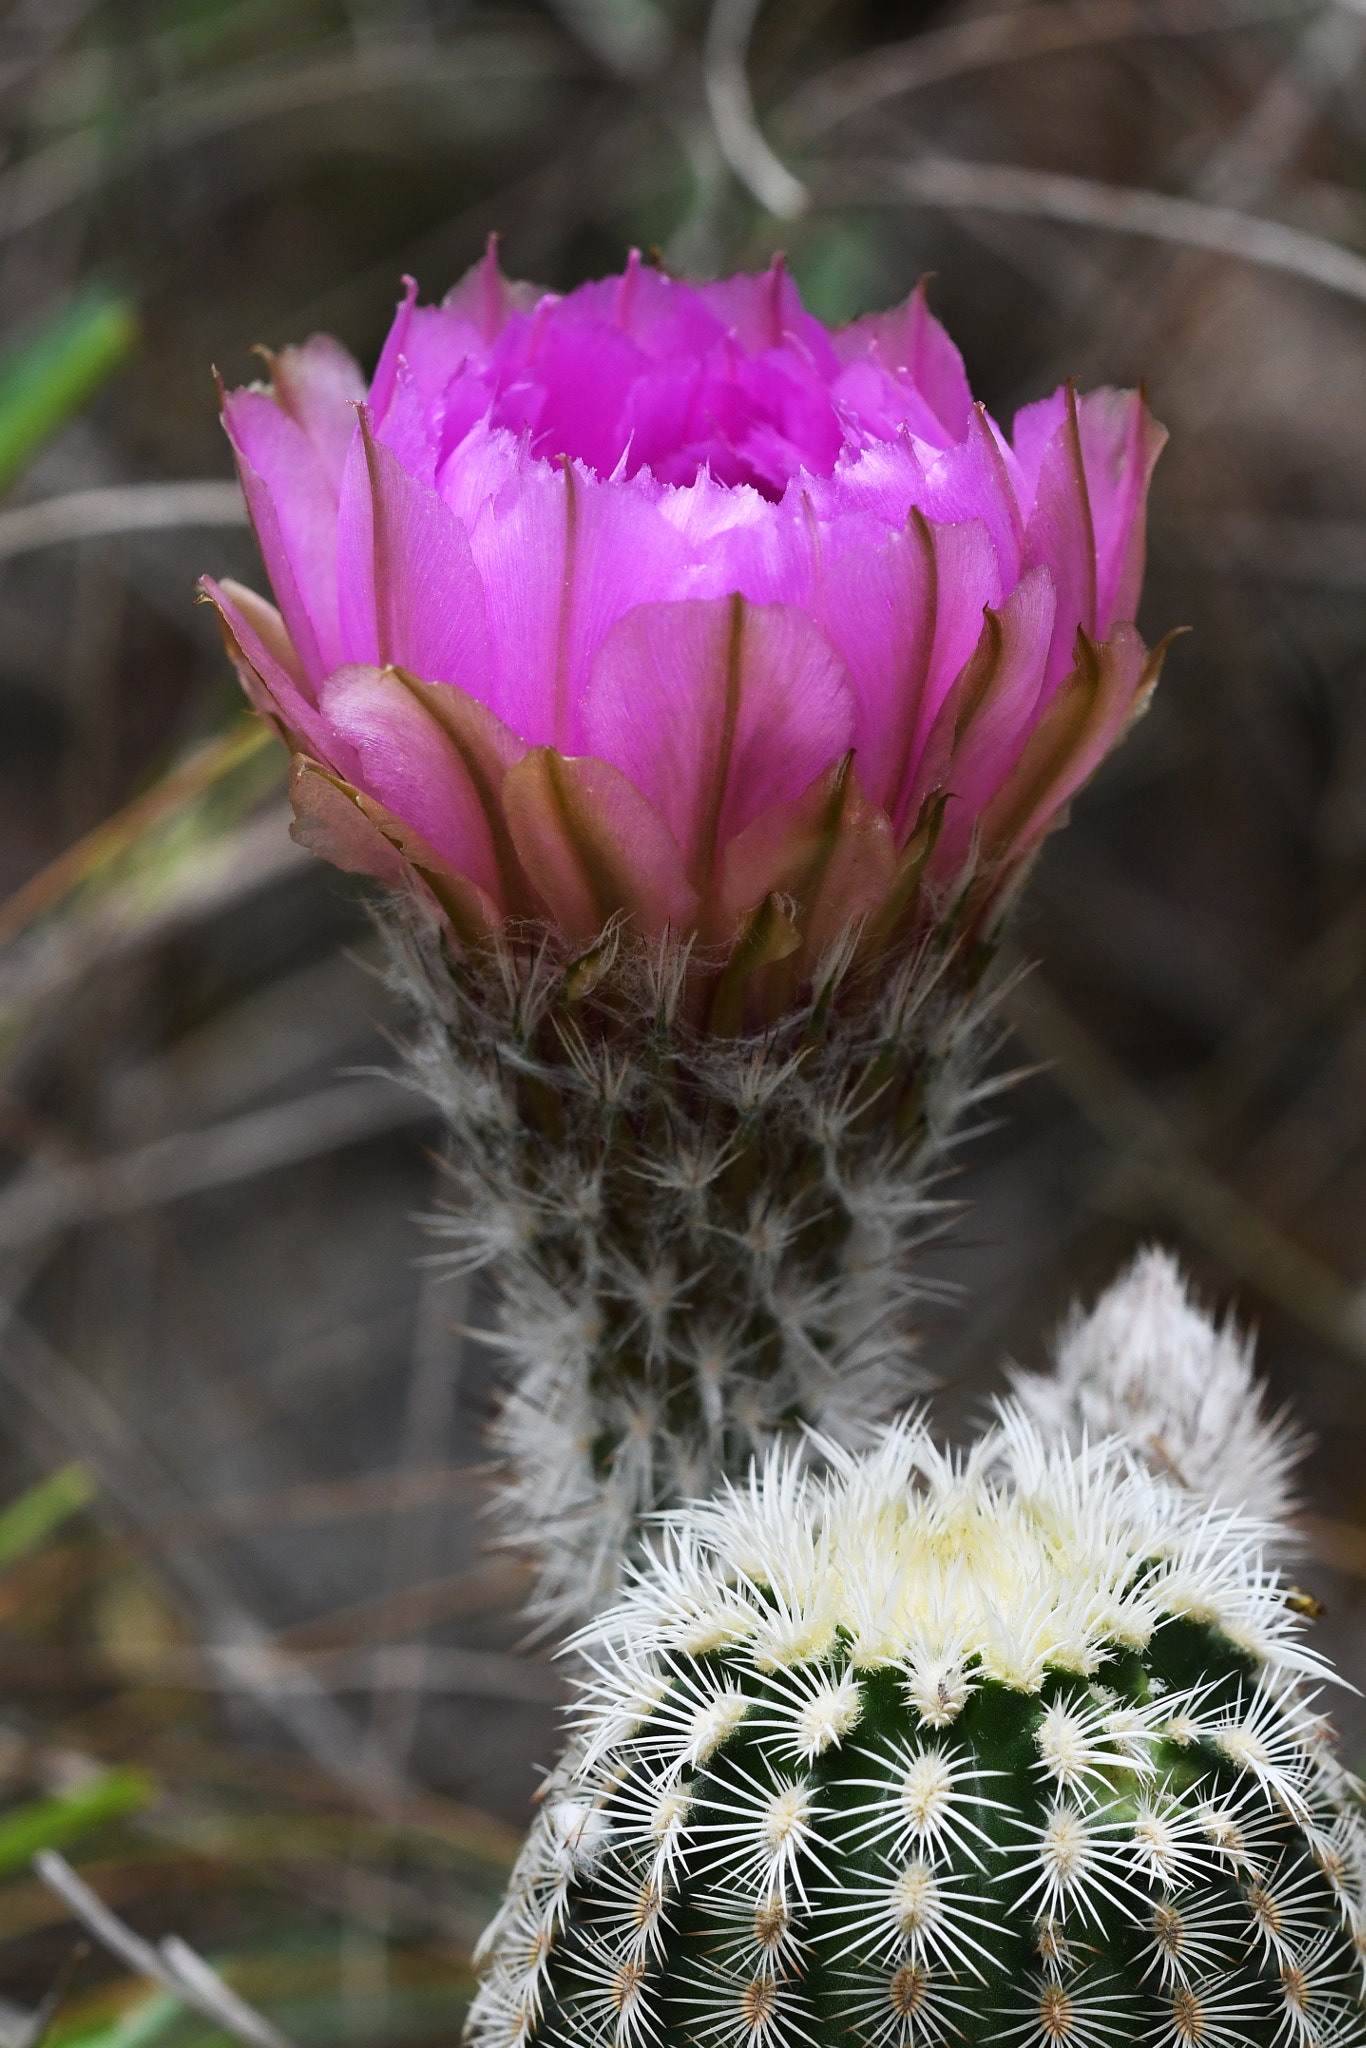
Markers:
<point>670,1813</point>
<point>1170,1930</point>
<point>711,1724</point>
<point>1265,1911</point>
<point>626,1985</point>
<point>770,1924</point>
<point>1065,1849</point>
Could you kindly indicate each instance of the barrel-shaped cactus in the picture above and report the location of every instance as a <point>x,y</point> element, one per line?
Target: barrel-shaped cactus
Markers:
<point>1019,1747</point>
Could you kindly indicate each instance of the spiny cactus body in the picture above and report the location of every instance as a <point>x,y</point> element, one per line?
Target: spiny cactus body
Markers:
<point>697,1240</point>
<point>1015,1749</point>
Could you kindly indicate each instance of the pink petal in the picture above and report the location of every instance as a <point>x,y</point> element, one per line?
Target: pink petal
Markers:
<point>1120,443</point>
<point>485,300</point>
<point>906,616</point>
<point>987,717</point>
<point>977,479</point>
<point>831,852</point>
<point>1087,716</point>
<point>761,311</point>
<point>294,511</point>
<point>255,615</point>
<point>395,343</point>
<point>593,847</point>
<point>319,386</point>
<point>563,555</point>
<point>909,342</point>
<point>270,671</point>
<point>716,709</point>
<point>410,592</point>
<point>409,758</point>
<point>355,833</point>
<point>1031,430</point>
<point>328,820</point>
<point>1060,536</point>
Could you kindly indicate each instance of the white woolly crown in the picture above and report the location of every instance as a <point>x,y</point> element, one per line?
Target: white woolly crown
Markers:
<point>1017,1557</point>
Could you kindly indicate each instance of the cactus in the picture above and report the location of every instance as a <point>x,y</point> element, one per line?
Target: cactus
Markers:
<point>1017,1747</point>
<point>1148,1365</point>
<point>696,1241</point>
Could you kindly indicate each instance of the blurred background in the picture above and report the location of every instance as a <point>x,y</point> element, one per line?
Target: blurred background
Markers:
<point>261,1679</point>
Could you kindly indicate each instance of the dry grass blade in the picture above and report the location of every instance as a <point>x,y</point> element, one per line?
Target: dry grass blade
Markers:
<point>1014,189</point>
<point>729,27</point>
<point>78,165</point>
<point>118,508</point>
<point>173,1965</point>
<point>1017,35</point>
<point>1152,1150</point>
<point>145,1493</point>
<point>38,1206</point>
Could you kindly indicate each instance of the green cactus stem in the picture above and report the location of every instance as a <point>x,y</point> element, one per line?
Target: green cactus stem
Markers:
<point>699,1243</point>
<point>1020,1748</point>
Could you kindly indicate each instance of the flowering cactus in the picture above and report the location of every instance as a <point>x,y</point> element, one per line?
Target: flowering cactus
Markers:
<point>706,680</point>
<point>1014,1748</point>
<point>662,600</point>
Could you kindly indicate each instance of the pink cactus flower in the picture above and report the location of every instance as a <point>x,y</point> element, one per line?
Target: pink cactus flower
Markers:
<point>663,599</point>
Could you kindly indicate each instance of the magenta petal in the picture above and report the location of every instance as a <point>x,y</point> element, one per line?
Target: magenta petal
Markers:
<point>319,386</point>
<point>256,616</point>
<point>405,759</point>
<point>973,480</point>
<point>829,854</point>
<point>906,616</point>
<point>1060,537</point>
<point>593,847</point>
<point>1031,430</point>
<point>410,591</point>
<point>353,831</point>
<point>294,510</point>
<point>716,709</point>
<point>988,716</point>
<point>485,299</point>
<point>273,682</point>
<point>1120,442</point>
<point>563,555</point>
<point>758,310</point>
<point>395,343</point>
<point>1084,720</point>
<point>910,343</point>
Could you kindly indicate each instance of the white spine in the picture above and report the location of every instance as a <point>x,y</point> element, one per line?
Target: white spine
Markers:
<point>1149,1366</point>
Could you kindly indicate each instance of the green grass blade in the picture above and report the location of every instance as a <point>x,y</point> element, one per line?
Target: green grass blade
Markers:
<point>138,2028</point>
<point>35,1514</point>
<point>49,1823</point>
<point>47,376</point>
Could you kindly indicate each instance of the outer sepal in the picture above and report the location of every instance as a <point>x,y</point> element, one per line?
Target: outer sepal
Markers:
<point>355,833</point>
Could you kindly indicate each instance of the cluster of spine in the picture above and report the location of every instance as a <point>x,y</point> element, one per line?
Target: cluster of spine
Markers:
<point>1149,1366</point>
<point>697,1241</point>
<point>911,1751</point>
